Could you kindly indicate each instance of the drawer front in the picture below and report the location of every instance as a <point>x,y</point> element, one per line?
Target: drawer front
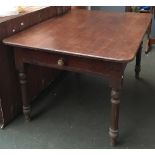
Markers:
<point>66,62</point>
<point>12,27</point>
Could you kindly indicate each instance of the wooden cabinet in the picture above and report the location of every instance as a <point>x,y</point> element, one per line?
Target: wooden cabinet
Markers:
<point>10,97</point>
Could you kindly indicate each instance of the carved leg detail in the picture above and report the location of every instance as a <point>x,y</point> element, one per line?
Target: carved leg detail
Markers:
<point>27,112</point>
<point>26,106</point>
<point>113,130</point>
<point>138,63</point>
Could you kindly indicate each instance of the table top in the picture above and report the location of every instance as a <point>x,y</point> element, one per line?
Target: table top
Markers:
<point>95,34</point>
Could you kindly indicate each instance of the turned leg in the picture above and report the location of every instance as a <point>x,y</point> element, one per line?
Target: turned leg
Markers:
<point>138,62</point>
<point>115,101</point>
<point>116,85</point>
<point>23,84</point>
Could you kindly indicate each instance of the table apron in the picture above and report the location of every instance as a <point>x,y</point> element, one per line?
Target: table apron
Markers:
<point>71,63</point>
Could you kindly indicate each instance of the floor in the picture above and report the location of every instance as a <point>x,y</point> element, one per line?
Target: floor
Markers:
<point>75,114</point>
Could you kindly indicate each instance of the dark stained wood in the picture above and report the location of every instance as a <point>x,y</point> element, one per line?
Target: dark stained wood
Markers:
<point>71,63</point>
<point>23,81</point>
<point>138,62</point>
<point>10,95</point>
<point>1,118</point>
<point>112,70</point>
<point>83,41</point>
<point>44,78</point>
<point>107,29</point>
<point>115,101</point>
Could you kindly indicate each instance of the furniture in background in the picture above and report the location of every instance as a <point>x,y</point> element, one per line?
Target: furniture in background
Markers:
<point>79,7</point>
<point>38,77</point>
<point>98,46</point>
<point>150,40</point>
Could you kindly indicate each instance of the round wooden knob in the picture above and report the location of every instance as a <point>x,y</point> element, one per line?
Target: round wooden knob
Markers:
<point>61,62</point>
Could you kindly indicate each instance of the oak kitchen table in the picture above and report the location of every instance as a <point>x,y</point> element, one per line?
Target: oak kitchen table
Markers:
<point>83,41</point>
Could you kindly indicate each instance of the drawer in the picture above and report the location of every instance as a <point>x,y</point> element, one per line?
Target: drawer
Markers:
<point>22,22</point>
<point>28,20</point>
<point>65,61</point>
<point>51,59</point>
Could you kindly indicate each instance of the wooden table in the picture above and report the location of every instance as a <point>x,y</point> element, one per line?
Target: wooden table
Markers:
<point>83,41</point>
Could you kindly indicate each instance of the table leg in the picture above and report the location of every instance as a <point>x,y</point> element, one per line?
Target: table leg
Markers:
<point>23,84</point>
<point>148,44</point>
<point>138,62</point>
<point>115,101</point>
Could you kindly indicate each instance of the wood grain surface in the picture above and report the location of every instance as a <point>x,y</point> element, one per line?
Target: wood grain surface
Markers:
<point>96,34</point>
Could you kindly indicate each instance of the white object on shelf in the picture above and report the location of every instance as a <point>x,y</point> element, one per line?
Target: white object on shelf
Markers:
<point>8,10</point>
<point>89,7</point>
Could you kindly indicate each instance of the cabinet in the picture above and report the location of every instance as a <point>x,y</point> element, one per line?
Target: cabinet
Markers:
<point>38,77</point>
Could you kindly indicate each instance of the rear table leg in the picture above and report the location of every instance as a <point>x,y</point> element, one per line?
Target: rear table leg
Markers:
<point>138,62</point>
<point>23,84</point>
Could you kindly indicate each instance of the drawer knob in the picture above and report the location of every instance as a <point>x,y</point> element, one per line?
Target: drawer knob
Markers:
<point>61,62</point>
<point>22,23</point>
<point>13,30</point>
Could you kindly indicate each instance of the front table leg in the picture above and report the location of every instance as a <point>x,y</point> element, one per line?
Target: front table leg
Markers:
<point>116,85</point>
<point>23,84</point>
<point>115,101</point>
